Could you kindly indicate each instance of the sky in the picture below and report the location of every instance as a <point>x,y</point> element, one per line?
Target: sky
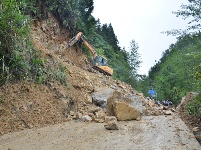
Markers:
<point>142,21</point>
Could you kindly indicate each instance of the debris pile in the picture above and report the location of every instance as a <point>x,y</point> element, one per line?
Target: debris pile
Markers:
<point>89,96</point>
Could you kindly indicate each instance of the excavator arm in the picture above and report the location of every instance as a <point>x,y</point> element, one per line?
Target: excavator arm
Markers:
<point>99,63</point>
<point>90,48</point>
<point>74,40</point>
<point>86,43</point>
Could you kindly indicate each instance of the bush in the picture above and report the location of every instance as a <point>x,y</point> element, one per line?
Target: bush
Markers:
<point>18,58</point>
<point>13,42</point>
<point>194,106</point>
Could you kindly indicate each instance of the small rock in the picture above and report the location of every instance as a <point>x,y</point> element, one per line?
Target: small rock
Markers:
<point>138,118</point>
<point>173,110</point>
<point>111,125</point>
<point>98,120</point>
<point>110,118</point>
<point>151,103</point>
<point>195,129</point>
<point>167,112</point>
<point>155,112</point>
<point>78,115</point>
<point>88,99</point>
<point>72,113</point>
<point>86,118</point>
<point>165,107</point>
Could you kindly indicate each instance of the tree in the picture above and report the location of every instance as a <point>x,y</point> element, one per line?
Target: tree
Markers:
<point>14,34</point>
<point>191,10</point>
<point>134,58</point>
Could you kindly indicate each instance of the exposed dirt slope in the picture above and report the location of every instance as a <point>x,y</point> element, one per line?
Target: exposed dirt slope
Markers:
<point>27,105</point>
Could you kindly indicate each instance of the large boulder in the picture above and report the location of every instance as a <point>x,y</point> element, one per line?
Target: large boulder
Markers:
<point>124,111</point>
<point>122,107</point>
<point>189,96</point>
<point>136,102</point>
<point>100,96</point>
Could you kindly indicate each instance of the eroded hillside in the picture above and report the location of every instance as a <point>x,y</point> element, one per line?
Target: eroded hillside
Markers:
<point>28,105</point>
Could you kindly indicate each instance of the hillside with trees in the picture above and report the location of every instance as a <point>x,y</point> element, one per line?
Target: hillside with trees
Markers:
<point>178,70</point>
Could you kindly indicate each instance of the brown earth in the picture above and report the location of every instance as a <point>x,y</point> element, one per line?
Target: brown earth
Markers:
<point>26,105</point>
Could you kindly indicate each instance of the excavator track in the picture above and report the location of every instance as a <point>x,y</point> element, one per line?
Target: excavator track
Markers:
<point>101,71</point>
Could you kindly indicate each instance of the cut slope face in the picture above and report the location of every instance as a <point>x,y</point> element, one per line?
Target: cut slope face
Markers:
<point>48,37</point>
<point>27,105</point>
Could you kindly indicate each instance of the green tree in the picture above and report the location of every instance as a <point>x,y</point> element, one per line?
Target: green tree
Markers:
<point>134,58</point>
<point>13,41</point>
<point>189,11</point>
<point>172,76</point>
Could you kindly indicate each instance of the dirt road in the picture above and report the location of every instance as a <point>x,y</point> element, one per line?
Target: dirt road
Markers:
<point>151,133</point>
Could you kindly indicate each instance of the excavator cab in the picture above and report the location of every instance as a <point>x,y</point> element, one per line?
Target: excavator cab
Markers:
<point>101,64</point>
<point>100,61</point>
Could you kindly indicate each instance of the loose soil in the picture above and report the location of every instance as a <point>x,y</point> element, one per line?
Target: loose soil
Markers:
<point>46,116</point>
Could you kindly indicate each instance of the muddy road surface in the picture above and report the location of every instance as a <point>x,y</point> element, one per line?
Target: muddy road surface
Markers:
<point>151,133</point>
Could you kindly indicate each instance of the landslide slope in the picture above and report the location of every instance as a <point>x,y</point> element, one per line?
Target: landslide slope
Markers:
<point>26,104</point>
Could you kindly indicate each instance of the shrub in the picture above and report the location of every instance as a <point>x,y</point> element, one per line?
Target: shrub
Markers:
<point>194,106</point>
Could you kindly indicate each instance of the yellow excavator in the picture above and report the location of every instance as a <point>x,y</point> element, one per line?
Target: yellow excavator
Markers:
<point>99,63</point>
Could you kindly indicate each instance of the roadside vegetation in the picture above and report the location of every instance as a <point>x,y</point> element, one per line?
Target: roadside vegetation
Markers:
<point>178,70</point>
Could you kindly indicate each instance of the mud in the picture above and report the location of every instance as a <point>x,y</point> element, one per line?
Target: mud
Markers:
<point>151,133</point>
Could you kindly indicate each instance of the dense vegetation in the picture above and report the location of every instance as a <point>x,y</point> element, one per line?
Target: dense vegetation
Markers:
<point>177,72</point>
<point>18,58</point>
<point>173,75</point>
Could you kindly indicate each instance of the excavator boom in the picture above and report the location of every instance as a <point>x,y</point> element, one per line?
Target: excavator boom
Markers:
<point>90,48</point>
<point>74,40</point>
<point>99,63</point>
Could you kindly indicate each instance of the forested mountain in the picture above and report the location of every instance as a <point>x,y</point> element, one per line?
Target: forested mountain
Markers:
<point>174,74</point>
<point>178,71</point>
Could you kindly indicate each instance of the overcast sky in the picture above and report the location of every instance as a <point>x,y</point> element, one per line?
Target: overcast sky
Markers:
<point>142,21</point>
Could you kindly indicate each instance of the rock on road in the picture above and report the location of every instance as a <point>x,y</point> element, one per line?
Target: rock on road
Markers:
<point>151,133</point>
